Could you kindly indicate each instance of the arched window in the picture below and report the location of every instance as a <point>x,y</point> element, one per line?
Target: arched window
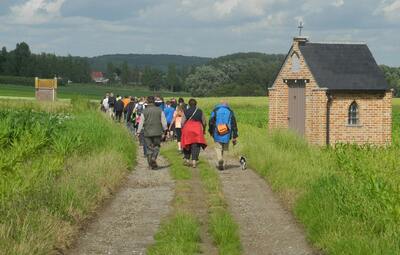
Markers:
<point>354,115</point>
<point>295,63</point>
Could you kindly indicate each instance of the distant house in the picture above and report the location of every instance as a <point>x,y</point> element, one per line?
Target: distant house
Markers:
<point>332,93</point>
<point>98,77</point>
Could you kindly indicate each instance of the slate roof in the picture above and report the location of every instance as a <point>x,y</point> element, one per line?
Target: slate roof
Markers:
<point>343,66</point>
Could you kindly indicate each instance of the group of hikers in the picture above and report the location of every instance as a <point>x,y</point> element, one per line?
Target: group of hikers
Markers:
<point>153,121</point>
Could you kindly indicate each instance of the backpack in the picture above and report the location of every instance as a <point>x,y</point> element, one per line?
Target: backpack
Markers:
<point>139,108</point>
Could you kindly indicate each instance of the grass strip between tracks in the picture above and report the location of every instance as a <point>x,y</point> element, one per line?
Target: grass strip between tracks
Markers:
<point>180,233</point>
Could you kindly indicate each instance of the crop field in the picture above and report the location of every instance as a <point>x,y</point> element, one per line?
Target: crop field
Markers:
<point>58,162</point>
<point>348,197</point>
<point>90,91</point>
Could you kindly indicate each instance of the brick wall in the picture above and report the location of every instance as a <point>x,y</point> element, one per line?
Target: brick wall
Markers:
<point>375,118</point>
<point>279,93</point>
<point>45,94</point>
<point>375,110</point>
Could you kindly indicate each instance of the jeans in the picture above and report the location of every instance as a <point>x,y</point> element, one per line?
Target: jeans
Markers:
<point>193,151</point>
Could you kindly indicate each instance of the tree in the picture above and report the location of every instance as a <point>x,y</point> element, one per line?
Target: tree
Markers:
<point>3,59</point>
<point>205,79</point>
<point>172,80</point>
<point>22,55</point>
<point>152,78</point>
<point>110,74</point>
<point>125,73</point>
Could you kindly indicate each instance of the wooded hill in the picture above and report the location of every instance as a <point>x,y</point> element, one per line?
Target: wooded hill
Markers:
<point>157,61</point>
<point>240,74</point>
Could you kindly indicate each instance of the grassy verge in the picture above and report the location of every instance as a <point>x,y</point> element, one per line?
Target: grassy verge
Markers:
<point>58,163</point>
<point>90,91</point>
<point>347,197</point>
<point>180,234</point>
<point>222,227</point>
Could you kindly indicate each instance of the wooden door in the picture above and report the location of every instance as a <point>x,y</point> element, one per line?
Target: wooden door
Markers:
<point>297,108</point>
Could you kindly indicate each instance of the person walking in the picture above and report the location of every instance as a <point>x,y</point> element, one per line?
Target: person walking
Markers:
<point>105,104</point>
<point>153,122</point>
<point>130,115</point>
<point>139,107</point>
<point>223,128</point>
<point>194,126</point>
<point>169,115</point>
<point>111,104</point>
<point>119,108</point>
<point>177,123</point>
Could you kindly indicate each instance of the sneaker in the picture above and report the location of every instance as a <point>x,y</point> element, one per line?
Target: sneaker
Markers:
<point>194,164</point>
<point>221,165</point>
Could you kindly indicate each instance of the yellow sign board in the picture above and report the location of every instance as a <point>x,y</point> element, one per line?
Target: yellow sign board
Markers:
<point>46,83</point>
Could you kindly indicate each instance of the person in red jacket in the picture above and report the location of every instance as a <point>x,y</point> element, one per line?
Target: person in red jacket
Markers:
<point>193,130</point>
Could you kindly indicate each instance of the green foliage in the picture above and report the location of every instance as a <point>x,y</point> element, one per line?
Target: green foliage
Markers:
<point>392,75</point>
<point>242,74</point>
<point>17,80</point>
<point>160,62</point>
<point>125,73</point>
<point>180,236</point>
<point>55,168</point>
<point>204,80</point>
<point>21,62</point>
<point>152,78</point>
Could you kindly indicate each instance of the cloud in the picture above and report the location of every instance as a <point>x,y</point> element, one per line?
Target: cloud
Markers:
<point>35,11</point>
<point>338,3</point>
<point>196,27</point>
<point>391,11</point>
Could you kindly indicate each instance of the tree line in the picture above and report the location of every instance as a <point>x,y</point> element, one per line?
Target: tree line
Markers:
<point>21,62</point>
<point>244,74</point>
<point>392,75</point>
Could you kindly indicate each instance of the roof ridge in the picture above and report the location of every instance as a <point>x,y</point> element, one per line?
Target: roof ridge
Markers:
<point>340,42</point>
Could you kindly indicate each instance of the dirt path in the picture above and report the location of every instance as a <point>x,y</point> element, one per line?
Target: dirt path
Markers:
<point>127,225</point>
<point>266,228</point>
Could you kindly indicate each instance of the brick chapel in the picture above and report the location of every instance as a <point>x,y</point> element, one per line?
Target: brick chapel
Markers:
<point>332,93</point>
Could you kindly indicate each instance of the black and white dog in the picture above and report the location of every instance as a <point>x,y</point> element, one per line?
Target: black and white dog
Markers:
<point>243,162</point>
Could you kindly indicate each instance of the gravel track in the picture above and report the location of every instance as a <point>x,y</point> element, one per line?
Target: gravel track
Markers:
<point>128,223</point>
<point>265,226</point>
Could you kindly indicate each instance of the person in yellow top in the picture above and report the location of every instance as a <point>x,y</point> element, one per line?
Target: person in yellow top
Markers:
<point>177,121</point>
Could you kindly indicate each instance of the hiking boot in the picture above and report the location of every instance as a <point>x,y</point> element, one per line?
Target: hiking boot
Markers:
<point>154,165</point>
<point>221,165</point>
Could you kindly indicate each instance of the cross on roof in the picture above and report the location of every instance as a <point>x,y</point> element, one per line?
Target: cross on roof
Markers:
<point>300,27</point>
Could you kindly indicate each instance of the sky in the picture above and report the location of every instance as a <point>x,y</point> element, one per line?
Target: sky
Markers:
<point>197,27</point>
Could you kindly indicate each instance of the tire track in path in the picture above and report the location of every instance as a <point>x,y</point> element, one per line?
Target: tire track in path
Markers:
<point>265,226</point>
<point>128,223</point>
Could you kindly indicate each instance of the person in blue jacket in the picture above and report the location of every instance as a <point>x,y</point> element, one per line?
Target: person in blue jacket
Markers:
<point>169,115</point>
<point>223,128</point>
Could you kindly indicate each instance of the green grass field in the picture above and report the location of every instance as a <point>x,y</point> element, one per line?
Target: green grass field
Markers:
<point>90,91</point>
<point>348,198</point>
